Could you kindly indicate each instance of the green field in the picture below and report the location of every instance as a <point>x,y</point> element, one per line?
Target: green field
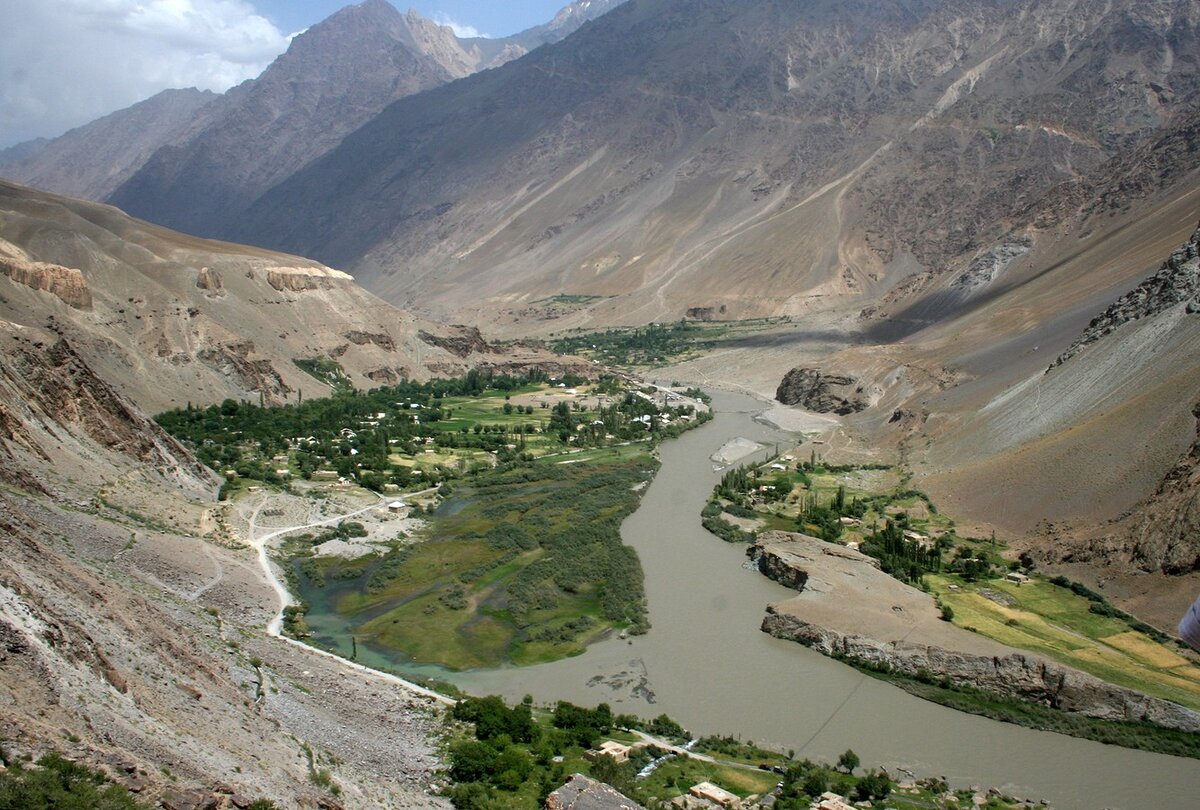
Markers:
<point>1054,622</point>
<point>915,542</point>
<point>657,344</point>
<point>520,566</point>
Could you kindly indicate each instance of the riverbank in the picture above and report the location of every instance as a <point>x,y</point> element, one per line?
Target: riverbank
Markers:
<point>706,664</point>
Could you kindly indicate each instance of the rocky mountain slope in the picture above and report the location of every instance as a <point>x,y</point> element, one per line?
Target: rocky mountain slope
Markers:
<point>129,643</point>
<point>336,76</point>
<point>1161,533</point>
<point>166,319</point>
<point>771,158</point>
<point>93,160</point>
<point>333,78</point>
<point>132,612</point>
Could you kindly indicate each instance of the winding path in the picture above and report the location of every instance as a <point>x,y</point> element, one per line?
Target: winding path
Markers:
<point>275,626</point>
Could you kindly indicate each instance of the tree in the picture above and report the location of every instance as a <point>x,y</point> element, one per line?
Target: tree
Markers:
<point>472,761</point>
<point>848,761</point>
<point>874,785</point>
<point>815,783</point>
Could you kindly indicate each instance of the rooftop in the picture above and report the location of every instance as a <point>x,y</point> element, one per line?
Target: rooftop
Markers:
<point>584,793</point>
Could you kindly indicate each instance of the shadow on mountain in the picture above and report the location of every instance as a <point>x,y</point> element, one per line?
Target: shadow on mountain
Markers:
<point>796,338</point>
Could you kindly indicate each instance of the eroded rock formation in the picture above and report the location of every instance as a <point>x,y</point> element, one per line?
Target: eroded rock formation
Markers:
<point>466,342</point>
<point>814,390</point>
<point>1018,675</point>
<point>67,283</point>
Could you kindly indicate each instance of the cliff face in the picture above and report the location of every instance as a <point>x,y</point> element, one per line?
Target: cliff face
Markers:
<point>300,279</point>
<point>65,283</point>
<point>1022,676</point>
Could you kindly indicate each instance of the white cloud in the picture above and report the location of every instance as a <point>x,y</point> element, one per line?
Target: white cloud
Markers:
<point>461,31</point>
<point>66,62</point>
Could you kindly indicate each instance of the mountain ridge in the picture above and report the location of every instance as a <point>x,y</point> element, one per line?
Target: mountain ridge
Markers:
<point>459,189</point>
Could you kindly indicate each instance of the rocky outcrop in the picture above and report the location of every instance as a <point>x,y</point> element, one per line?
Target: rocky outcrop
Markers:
<point>209,280</point>
<point>1176,282</point>
<point>380,339</point>
<point>1018,675</point>
<point>706,313</point>
<point>301,279</point>
<point>775,559</point>
<point>387,376</point>
<point>233,360</point>
<point>988,266</point>
<point>584,792</point>
<point>823,393</point>
<point>66,283</point>
<point>466,342</point>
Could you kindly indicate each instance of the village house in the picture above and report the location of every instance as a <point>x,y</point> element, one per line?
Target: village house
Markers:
<point>610,748</point>
<point>717,795</point>
<point>396,506</point>
<point>920,539</point>
<point>1017,577</point>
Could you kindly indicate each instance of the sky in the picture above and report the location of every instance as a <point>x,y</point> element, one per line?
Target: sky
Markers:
<point>64,63</point>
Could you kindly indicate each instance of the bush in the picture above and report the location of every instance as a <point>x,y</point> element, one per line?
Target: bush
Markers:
<point>63,785</point>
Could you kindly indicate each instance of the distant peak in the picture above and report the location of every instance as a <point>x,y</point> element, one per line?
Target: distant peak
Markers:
<point>378,9</point>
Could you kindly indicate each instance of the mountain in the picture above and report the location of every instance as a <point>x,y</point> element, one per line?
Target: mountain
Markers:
<point>568,20</point>
<point>941,193</point>
<point>334,77</point>
<point>768,158</point>
<point>93,160</point>
<point>131,608</point>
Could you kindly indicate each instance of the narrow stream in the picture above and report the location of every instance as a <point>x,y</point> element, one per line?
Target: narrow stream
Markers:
<point>706,664</point>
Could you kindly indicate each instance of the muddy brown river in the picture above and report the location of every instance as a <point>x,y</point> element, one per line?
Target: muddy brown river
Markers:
<point>706,664</point>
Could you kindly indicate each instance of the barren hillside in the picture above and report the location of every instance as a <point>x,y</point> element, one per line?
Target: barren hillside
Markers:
<point>166,318</point>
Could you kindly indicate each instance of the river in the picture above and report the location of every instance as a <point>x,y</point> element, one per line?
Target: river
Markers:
<point>706,664</point>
